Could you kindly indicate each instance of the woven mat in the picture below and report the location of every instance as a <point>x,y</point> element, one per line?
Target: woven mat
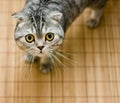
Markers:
<point>91,76</point>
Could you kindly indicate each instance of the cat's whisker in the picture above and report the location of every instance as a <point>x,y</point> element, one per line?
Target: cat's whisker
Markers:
<point>69,57</point>
<point>62,55</point>
<point>31,48</point>
<point>56,58</point>
<point>31,52</point>
<point>25,71</point>
<point>70,60</point>
<point>61,52</point>
<point>57,71</point>
<point>65,52</point>
<point>53,66</point>
<point>52,60</point>
<point>31,65</point>
<point>60,62</point>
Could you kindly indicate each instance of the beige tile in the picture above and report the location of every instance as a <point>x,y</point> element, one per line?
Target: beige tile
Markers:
<point>91,74</point>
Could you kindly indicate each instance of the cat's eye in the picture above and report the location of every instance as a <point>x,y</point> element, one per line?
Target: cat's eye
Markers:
<point>29,38</point>
<point>49,36</point>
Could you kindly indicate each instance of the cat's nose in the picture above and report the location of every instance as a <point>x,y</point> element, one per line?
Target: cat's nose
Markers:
<point>40,47</point>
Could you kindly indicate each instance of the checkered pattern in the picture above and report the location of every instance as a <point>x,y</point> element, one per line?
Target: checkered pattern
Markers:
<point>92,76</point>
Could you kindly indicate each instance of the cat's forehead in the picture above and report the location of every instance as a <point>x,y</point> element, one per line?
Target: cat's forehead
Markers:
<point>38,23</point>
<point>40,27</point>
<point>28,28</point>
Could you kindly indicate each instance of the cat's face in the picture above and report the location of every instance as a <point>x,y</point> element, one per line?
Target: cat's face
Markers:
<point>49,38</point>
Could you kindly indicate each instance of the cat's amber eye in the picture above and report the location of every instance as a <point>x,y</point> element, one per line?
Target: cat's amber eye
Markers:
<point>29,38</point>
<point>49,36</point>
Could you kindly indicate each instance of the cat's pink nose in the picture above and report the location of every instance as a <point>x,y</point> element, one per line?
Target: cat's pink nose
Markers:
<point>40,47</point>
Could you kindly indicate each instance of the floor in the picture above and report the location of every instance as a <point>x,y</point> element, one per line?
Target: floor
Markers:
<point>92,75</point>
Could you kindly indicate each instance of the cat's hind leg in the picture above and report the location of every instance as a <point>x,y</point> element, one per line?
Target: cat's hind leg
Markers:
<point>95,17</point>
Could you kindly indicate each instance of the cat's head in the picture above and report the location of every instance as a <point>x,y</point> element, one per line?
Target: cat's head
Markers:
<point>39,34</point>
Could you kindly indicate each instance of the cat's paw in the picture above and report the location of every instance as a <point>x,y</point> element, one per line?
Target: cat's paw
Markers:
<point>92,23</point>
<point>29,58</point>
<point>46,68</point>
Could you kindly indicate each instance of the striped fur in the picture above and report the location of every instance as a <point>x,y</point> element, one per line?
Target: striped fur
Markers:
<point>40,17</point>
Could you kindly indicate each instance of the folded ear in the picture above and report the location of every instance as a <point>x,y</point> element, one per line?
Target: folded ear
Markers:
<point>56,15</point>
<point>20,16</point>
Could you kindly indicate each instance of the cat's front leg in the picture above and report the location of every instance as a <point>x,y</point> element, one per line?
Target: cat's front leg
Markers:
<point>29,58</point>
<point>46,64</point>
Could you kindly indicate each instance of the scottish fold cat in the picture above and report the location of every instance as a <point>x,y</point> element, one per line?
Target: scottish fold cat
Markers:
<point>42,24</point>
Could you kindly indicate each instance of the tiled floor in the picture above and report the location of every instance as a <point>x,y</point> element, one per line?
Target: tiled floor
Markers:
<point>92,76</point>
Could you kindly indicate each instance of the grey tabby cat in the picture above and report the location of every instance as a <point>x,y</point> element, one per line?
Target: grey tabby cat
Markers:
<point>42,25</point>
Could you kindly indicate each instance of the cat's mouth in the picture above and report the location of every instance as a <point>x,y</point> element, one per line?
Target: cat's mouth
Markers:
<point>41,52</point>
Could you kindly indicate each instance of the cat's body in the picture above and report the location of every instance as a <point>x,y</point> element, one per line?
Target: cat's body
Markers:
<point>69,8</point>
<point>46,21</point>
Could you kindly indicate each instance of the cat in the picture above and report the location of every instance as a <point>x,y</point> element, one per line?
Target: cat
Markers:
<point>42,24</point>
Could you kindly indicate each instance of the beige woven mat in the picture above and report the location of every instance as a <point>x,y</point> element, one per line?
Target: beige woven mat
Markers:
<point>92,75</point>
